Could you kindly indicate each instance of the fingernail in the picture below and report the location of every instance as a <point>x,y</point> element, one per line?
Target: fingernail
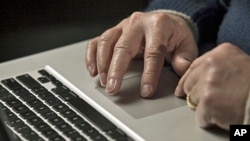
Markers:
<point>111,85</point>
<point>103,79</point>
<point>146,90</point>
<point>91,70</point>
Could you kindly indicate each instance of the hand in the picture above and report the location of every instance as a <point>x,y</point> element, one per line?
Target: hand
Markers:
<point>155,36</point>
<point>218,83</point>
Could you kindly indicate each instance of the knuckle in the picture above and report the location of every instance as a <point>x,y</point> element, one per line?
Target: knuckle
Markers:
<point>211,60</point>
<point>208,98</point>
<point>155,52</point>
<point>159,18</point>
<point>123,48</point>
<point>135,16</point>
<point>211,90</point>
<point>212,77</point>
<point>226,45</point>
<point>92,43</point>
<point>104,37</point>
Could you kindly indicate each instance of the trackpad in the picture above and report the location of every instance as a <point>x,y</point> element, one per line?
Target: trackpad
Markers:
<point>130,101</point>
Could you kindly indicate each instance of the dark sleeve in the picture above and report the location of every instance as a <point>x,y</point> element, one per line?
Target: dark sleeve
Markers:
<point>207,14</point>
<point>235,25</point>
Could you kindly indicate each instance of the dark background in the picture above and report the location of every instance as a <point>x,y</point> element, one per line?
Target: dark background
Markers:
<point>31,26</point>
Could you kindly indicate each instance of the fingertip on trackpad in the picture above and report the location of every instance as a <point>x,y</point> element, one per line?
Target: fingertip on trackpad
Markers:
<point>129,99</point>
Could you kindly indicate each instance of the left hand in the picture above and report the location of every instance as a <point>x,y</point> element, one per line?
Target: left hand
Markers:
<point>218,83</point>
<point>152,36</point>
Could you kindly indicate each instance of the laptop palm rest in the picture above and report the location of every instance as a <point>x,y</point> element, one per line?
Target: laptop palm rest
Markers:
<point>128,98</point>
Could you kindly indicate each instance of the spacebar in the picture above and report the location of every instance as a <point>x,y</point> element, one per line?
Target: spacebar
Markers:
<point>92,114</point>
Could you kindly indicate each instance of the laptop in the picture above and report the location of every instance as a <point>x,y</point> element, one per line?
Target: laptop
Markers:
<point>50,96</point>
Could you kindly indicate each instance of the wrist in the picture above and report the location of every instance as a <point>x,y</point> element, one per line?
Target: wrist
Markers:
<point>186,18</point>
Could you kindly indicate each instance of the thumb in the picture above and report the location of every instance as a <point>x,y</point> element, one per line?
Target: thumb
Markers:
<point>183,57</point>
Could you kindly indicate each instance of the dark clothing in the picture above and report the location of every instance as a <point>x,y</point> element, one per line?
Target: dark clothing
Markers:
<point>218,21</point>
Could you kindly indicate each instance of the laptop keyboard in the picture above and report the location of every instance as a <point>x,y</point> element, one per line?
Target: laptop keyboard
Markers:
<point>36,112</point>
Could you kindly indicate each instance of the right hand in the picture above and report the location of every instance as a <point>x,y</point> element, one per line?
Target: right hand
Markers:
<point>154,36</point>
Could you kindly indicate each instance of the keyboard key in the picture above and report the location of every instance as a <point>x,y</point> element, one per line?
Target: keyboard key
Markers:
<point>20,108</point>
<point>46,95</point>
<point>99,138</point>
<point>3,91</point>
<point>53,101</point>
<point>11,83</point>
<point>115,133</point>
<point>41,108</point>
<point>14,102</point>
<point>92,133</point>
<point>10,115</point>
<point>29,98</point>
<point>28,81</point>
<point>15,122</point>
<point>43,79</point>
<point>72,134</point>
<point>83,126</point>
<point>61,107</point>
<point>49,115</point>
<point>68,113</point>
<point>78,138</point>
<point>7,97</point>
<point>35,121</point>
<point>27,114</point>
<point>60,89</point>
<point>50,133</point>
<point>67,96</point>
<point>42,127</point>
<point>39,90</point>
<point>56,120</point>
<point>34,102</point>
<point>31,135</point>
<point>56,138</point>
<point>22,129</point>
<point>22,93</point>
<point>44,72</point>
<point>75,119</point>
<point>92,114</point>
<point>52,78</point>
<point>64,127</point>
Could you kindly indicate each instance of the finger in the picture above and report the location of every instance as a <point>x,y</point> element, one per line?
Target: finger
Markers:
<point>180,91</point>
<point>202,97</point>
<point>156,44</point>
<point>195,92</point>
<point>125,49</point>
<point>105,48</point>
<point>184,56</point>
<point>191,82</point>
<point>90,57</point>
<point>188,81</point>
<point>202,115</point>
<point>153,64</point>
